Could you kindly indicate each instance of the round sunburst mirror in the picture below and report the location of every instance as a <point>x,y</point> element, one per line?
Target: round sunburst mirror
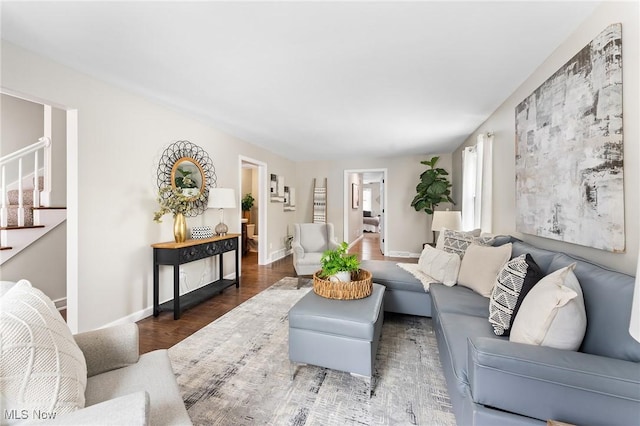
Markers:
<point>187,166</point>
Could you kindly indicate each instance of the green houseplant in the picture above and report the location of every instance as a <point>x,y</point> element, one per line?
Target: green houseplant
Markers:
<point>247,204</point>
<point>337,264</point>
<point>434,188</point>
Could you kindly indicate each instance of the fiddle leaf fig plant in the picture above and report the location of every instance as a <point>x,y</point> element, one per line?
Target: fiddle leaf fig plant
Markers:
<point>434,188</point>
<point>337,260</point>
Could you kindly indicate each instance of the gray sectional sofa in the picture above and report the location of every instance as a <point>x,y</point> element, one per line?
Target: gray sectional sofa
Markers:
<point>494,381</point>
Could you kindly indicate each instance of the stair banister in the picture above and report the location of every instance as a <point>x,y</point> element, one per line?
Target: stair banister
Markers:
<point>43,142</point>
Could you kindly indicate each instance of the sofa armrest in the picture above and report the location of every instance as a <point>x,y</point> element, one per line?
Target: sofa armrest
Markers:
<point>298,251</point>
<point>109,348</point>
<point>547,383</point>
<point>131,410</point>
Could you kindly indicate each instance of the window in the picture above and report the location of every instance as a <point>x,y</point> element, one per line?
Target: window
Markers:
<point>477,184</point>
<point>366,199</point>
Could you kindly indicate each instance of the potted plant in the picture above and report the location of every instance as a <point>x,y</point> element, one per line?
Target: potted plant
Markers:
<point>337,265</point>
<point>434,188</point>
<point>247,204</point>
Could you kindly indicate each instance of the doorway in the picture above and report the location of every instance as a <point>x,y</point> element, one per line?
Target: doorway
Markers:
<point>252,182</point>
<point>373,206</point>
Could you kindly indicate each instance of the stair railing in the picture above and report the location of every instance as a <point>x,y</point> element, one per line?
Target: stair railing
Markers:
<point>43,142</point>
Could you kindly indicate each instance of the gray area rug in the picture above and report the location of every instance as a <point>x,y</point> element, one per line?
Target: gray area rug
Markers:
<point>235,371</point>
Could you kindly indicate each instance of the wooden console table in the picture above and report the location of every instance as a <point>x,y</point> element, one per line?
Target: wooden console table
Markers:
<point>176,254</point>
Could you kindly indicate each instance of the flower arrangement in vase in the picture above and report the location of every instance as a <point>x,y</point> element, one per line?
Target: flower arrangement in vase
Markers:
<point>174,200</point>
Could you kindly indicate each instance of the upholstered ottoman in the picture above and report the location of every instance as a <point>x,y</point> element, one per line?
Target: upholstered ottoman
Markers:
<point>338,334</point>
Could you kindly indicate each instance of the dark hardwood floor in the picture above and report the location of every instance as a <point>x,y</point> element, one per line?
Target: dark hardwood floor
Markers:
<point>162,332</point>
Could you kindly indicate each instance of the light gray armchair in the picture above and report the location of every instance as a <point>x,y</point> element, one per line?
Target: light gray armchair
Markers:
<point>310,240</point>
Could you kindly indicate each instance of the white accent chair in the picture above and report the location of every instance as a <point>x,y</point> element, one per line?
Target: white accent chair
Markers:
<point>310,240</point>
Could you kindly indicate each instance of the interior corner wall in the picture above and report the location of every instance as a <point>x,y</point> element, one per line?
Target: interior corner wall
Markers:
<point>354,214</point>
<point>502,124</point>
<point>121,136</point>
<point>407,229</point>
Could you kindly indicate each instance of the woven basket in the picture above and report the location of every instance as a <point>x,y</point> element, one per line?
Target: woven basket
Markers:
<point>359,287</point>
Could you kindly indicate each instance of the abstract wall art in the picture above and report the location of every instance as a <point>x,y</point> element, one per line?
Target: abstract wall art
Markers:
<point>569,150</point>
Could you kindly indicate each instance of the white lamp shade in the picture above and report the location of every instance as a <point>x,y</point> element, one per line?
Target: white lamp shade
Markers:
<point>221,198</point>
<point>446,219</point>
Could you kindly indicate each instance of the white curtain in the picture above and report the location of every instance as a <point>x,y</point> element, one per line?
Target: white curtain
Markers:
<point>477,172</point>
<point>469,164</point>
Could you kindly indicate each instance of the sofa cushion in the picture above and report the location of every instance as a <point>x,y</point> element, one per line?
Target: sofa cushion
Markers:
<point>458,300</point>
<point>41,367</point>
<point>515,280</point>
<point>314,237</point>
<point>440,265</point>
<point>480,267</point>
<point>153,374</point>
<point>553,313</point>
<point>391,275</point>
<point>607,296</point>
<point>548,383</point>
<point>541,256</point>
<point>456,329</point>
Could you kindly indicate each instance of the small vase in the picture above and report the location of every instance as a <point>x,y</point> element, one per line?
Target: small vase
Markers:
<point>179,228</point>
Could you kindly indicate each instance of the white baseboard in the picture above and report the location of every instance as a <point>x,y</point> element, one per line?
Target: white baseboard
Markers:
<point>403,254</point>
<point>61,303</point>
<point>353,243</point>
<point>278,254</point>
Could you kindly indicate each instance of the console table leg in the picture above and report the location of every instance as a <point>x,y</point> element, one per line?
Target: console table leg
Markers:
<point>156,285</point>
<point>176,292</point>
<point>237,270</point>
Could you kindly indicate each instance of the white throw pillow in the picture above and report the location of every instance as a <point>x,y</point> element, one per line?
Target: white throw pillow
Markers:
<point>553,313</point>
<point>480,267</point>
<point>42,369</point>
<point>440,265</point>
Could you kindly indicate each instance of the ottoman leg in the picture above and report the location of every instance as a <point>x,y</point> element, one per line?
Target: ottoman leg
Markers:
<point>292,370</point>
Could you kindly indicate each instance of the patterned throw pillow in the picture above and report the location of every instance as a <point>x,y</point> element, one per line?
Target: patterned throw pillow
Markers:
<point>514,281</point>
<point>457,241</point>
<point>41,368</point>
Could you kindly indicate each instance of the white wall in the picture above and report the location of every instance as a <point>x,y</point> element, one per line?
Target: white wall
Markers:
<point>407,229</point>
<point>354,214</point>
<point>120,138</point>
<point>22,125</point>
<point>502,123</point>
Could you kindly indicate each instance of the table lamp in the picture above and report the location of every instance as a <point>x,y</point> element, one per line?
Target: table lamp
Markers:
<point>445,219</point>
<point>221,198</point>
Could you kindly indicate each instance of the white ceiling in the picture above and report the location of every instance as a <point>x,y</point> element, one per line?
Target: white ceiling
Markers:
<point>309,80</point>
